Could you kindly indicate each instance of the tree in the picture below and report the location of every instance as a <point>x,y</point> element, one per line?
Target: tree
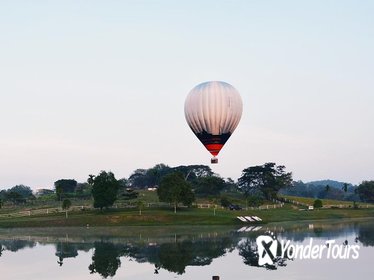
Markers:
<point>210,185</point>
<point>366,191</point>
<point>191,172</point>
<point>104,190</point>
<point>123,183</point>
<point>255,200</point>
<point>317,203</point>
<point>17,194</point>
<point>345,187</point>
<point>225,202</point>
<point>329,192</point>
<point>142,178</point>
<point>268,179</point>
<point>22,190</point>
<point>140,203</point>
<point>230,185</point>
<point>64,186</point>
<point>175,189</point>
<point>66,205</point>
<point>59,192</point>
<point>327,188</point>
<point>138,179</point>
<point>90,179</point>
<point>15,197</point>
<point>155,174</point>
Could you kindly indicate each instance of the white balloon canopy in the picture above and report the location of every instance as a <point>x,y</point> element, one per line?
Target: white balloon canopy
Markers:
<point>213,111</point>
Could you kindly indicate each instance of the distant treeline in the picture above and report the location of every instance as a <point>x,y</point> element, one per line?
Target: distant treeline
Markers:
<point>324,189</point>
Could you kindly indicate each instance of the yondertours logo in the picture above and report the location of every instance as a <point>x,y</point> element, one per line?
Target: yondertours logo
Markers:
<point>270,250</point>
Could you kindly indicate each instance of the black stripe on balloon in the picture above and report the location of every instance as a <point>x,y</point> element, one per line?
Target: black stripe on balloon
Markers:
<point>207,138</point>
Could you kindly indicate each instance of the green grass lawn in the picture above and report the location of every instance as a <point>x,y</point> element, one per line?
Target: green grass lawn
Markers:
<point>185,216</point>
<point>165,216</point>
<point>325,202</point>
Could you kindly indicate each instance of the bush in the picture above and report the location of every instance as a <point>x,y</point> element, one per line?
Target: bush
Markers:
<point>130,194</point>
<point>225,202</point>
<point>317,203</point>
<point>255,201</point>
<point>66,203</point>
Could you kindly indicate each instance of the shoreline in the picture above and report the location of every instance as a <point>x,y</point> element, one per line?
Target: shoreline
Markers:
<point>186,217</point>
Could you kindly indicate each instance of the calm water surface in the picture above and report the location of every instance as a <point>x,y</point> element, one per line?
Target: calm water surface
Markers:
<point>181,252</point>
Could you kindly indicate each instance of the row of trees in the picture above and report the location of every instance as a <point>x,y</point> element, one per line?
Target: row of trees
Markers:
<point>16,195</point>
<point>182,183</point>
<point>325,189</point>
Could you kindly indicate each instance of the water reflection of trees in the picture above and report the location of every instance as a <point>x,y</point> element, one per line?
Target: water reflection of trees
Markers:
<point>1,249</point>
<point>175,257</point>
<point>175,253</point>
<point>106,259</point>
<point>366,234</point>
<point>15,245</point>
<point>249,252</point>
<point>324,231</point>
<point>65,250</point>
<point>171,256</point>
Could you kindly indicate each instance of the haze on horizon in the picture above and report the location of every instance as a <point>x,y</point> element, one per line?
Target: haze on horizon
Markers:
<point>100,85</point>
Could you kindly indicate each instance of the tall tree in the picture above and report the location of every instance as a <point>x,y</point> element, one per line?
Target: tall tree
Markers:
<point>345,187</point>
<point>327,188</point>
<point>138,179</point>
<point>15,197</point>
<point>191,172</point>
<point>90,179</point>
<point>65,206</point>
<point>268,178</point>
<point>22,190</point>
<point>366,191</point>
<point>64,186</point>
<point>175,189</point>
<point>210,185</point>
<point>104,190</point>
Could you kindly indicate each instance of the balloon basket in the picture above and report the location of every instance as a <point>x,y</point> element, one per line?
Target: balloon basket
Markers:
<point>214,160</point>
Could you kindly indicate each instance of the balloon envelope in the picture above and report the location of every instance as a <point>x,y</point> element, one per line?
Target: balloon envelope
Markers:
<point>213,111</point>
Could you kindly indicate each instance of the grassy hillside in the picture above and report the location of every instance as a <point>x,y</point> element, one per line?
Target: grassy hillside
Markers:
<point>325,202</point>
<point>48,213</point>
<point>191,216</point>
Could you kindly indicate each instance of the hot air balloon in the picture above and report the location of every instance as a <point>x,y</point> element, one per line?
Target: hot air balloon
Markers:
<point>213,111</point>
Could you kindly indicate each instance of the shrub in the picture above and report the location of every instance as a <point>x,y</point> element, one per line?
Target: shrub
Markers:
<point>317,203</point>
<point>255,201</point>
<point>225,202</point>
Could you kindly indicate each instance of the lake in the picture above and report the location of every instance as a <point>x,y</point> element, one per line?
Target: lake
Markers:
<point>192,252</point>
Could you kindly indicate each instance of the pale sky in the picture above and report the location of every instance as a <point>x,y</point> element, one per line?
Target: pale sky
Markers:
<point>100,85</point>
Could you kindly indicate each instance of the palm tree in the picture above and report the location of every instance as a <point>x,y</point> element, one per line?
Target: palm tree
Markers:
<point>327,188</point>
<point>66,205</point>
<point>345,187</point>
<point>90,179</point>
<point>141,205</point>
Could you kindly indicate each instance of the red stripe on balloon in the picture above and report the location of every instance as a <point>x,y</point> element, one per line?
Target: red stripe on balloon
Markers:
<point>213,148</point>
